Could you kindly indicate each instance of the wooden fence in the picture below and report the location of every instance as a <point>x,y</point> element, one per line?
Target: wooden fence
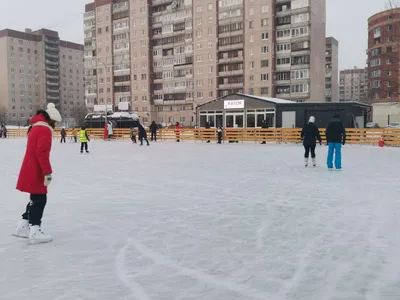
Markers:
<point>363,136</point>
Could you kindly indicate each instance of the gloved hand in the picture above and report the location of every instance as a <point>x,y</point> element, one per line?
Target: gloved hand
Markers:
<point>344,142</point>
<point>47,179</point>
<point>320,143</point>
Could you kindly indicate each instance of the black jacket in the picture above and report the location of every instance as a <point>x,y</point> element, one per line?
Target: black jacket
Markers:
<point>153,127</point>
<point>310,134</point>
<point>335,132</point>
<point>63,132</point>
<point>142,131</point>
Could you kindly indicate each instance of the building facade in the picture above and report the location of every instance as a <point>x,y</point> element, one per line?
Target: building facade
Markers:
<point>331,70</point>
<point>383,56</point>
<point>353,85</point>
<point>163,58</point>
<point>38,68</point>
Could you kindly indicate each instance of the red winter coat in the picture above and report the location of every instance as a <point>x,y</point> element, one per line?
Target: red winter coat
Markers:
<point>36,162</point>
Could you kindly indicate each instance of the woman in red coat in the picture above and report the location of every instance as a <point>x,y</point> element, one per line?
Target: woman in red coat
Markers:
<point>35,174</point>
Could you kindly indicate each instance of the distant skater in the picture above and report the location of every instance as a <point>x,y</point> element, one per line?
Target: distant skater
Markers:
<point>63,135</point>
<point>335,137</point>
<point>178,132</point>
<point>219,130</point>
<point>133,135</point>
<point>142,135</point>
<point>84,139</point>
<point>309,135</point>
<point>36,174</point>
<point>153,130</point>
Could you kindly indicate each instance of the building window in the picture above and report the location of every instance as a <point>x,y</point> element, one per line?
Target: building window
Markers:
<point>264,77</point>
<point>264,22</point>
<point>199,9</point>
<point>264,8</point>
<point>264,36</point>
<point>264,63</point>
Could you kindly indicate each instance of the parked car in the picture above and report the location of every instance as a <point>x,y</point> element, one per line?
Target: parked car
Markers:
<point>372,125</point>
<point>393,125</point>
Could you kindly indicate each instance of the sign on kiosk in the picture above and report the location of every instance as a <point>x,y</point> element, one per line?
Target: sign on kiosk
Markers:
<point>228,104</point>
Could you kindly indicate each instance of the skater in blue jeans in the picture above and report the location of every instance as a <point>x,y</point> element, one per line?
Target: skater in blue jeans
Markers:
<point>335,137</point>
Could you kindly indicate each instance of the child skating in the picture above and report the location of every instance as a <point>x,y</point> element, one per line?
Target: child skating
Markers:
<point>36,174</point>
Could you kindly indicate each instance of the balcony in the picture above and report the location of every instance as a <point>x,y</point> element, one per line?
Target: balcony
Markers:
<point>49,91</point>
<point>230,73</point>
<point>52,63</point>
<point>49,76</point>
<point>49,83</point>
<point>55,56</point>
<point>89,15</point>
<point>283,13</point>
<point>122,72</point>
<point>52,69</point>
<point>158,2</point>
<point>283,82</point>
<point>117,7</point>
<point>158,102</point>
<point>50,48</point>
<point>53,97</point>
<point>231,59</point>
<point>90,94</point>
<point>231,86</point>
<point>122,83</point>
<point>51,42</point>
<point>230,47</point>
<point>230,33</point>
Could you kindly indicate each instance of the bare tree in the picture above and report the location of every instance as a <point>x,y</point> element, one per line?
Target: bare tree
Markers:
<point>385,52</point>
<point>79,113</point>
<point>3,115</point>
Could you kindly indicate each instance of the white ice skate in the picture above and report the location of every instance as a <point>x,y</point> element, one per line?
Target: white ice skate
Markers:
<point>22,230</point>
<point>36,236</point>
<point>306,162</point>
<point>314,163</point>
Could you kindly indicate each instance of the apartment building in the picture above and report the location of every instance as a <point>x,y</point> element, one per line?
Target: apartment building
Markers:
<point>331,70</point>
<point>353,85</point>
<point>38,68</point>
<point>163,58</point>
<point>383,58</point>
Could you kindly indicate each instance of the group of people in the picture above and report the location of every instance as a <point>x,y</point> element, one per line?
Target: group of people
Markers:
<point>153,130</point>
<point>335,137</point>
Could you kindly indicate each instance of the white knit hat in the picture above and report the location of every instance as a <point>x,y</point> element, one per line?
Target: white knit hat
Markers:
<point>54,114</point>
<point>312,120</point>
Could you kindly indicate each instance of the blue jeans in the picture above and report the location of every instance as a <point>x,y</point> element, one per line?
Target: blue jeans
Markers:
<point>337,148</point>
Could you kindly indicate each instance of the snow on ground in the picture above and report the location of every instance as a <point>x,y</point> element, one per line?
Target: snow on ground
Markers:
<point>205,222</point>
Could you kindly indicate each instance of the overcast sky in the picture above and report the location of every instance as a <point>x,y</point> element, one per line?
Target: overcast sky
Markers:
<point>346,21</point>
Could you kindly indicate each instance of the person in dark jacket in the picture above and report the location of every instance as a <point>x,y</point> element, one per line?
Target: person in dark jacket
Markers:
<point>219,130</point>
<point>63,135</point>
<point>335,137</point>
<point>309,135</point>
<point>142,135</point>
<point>264,125</point>
<point>153,130</point>
<point>5,132</point>
<point>208,126</point>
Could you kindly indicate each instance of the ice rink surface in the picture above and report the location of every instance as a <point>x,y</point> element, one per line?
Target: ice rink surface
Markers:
<point>205,222</point>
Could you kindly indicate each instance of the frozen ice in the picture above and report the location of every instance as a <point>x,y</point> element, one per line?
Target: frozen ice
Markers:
<point>197,221</point>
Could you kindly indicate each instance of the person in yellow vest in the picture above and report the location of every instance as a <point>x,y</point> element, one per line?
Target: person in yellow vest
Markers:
<point>84,139</point>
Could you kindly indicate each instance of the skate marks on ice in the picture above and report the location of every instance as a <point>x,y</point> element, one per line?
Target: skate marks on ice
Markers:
<point>127,280</point>
<point>156,260</point>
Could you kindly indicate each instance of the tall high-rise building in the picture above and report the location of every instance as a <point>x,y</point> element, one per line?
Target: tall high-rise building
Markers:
<point>38,68</point>
<point>353,85</point>
<point>331,70</point>
<point>383,56</point>
<point>165,57</point>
